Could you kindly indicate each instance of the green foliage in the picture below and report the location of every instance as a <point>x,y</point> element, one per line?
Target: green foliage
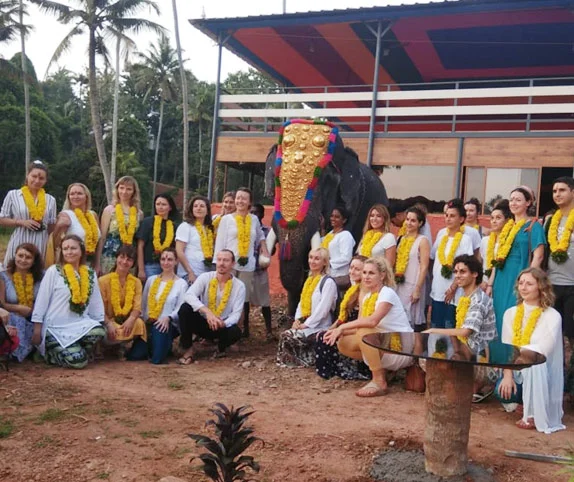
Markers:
<point>224,461</point>
<point>6,427</point>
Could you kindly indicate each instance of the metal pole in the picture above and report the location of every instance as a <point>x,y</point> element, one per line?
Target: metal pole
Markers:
<point>215,128</point>
<point>284,7</point>
<point>459,160</point>
<point>375,92</point>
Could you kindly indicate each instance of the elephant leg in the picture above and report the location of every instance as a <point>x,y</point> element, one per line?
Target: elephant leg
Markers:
<point>292,302</point>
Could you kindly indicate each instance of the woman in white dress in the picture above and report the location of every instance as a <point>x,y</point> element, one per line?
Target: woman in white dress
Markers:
<point>162,298</point>
<point>69,311</point>
<point>30,211</point>
<point>340,243</point>
<point>194,240</point>
<point>377,238</point>
<point>78,218</point>
<point>381,312</point>
<point>535,326</point>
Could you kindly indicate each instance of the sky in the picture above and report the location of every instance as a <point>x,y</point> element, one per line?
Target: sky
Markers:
<point>200,51</point>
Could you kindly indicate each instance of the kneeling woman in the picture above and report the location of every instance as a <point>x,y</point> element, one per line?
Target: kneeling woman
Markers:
<point>122,296</point>
<point>381,312</point>
<point>313,315</point>
<point>69,312</point>
<point>534,325</point>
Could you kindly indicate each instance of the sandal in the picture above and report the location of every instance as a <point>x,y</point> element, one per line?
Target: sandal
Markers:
<point>528,425</point>
<point>371,389</point>
<point>186,360</point>
<point>480,397</point>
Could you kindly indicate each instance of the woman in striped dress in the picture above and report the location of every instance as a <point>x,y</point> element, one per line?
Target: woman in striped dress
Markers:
<point>30,211</point>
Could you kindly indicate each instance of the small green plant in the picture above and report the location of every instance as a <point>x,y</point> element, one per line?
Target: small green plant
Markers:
<point>175,385</point>
<point>151,434</point>
<point>103,476</point>
<point>568,465</point>
<point>224,461</point>
<point>51,415</point>
<point>6,427</point>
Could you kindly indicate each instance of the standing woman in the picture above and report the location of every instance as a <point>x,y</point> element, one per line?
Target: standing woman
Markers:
<point>163,296</point>
<point>521,248</point>
<point>30,211</point>
<point>501,223</point>
<point>340,243</point>
<point>194,240</point>
<point>155,234</point>
<point>69,312</point>
<point>78,218</point>
<point>19,286</point>
<point>377,237</point>
<point>227,207</point>
<point>119,223</point>
<point>411,268</point>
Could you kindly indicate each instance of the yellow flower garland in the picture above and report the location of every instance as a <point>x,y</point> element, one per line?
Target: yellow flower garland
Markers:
<point>402,229</point>
<point>559,247</point>
<point>90,226</point>
<point>206,238</point>
<point>24,288</point>
<point>127,233</point>
<point>447,260</point>
<point>402,261</point>
<point>243,237</point>
<point>121,312</point>
<point>522,337</point>
<point>506,240</point>
<point>79,290</point>
<point>308,288</point>
<point>327,240</point>
<point>217,309</point>
<point>155,306</point>
<point>461,311</point>
<point>343,314</point>
<point>216,222</point>
<point>158,245</point>
<point>369,304</point>
<point>36,211</point>
<point>370,239</point>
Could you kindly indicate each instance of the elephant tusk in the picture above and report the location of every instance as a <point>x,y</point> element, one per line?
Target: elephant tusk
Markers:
<point>271,240</point>
<point>316,241</point>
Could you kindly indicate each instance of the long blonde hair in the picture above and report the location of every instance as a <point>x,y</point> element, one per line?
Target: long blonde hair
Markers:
<point>383,267</point>
<point>136,198</point>
<point>324,253</point>
<point>547,296</point>
<point>383,211</point>
<point>87,192</point>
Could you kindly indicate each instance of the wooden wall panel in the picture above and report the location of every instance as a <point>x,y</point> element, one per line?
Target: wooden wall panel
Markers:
<point>519,152</point>
<point>243,149</point>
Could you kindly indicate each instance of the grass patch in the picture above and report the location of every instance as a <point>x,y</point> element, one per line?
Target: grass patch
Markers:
<point>105,411</point>
<point>6,427</point>
<point>52,415</point>
<point>174,385</point>
<point>181,452</point>
<point>45,441</point>
<point>128,422</point>
<point>103,476</point>
<point>151,434</point>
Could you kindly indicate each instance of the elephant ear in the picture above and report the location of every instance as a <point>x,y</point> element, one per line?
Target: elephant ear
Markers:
<point>270,172</point>
<point>346,170</point>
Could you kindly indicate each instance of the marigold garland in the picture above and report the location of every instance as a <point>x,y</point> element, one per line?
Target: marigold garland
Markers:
<point>80,290</point>
<point>35,209</point>
<point>216,222</point>
<point>368,308</point>
<point>370,239</point>
<point>506,239</point>
<point>218,309</point>
<point>343,312</point>
<point>24,286</point>
<point>306,295</point>
<point>122,311</point>
<point>243,238</point>
<point>155,305</point>
<point>461,311</point>
<point>91,230</point>
<point>402,229</point>
<point>127,232</point>
<point>522,337</point>
<point>206,239</point>
<point>327,240</point>
<point>402,261</point>
<point>559,247</point>
<point>396,343</point>
<point>447,260</point>
<point>158,245</point>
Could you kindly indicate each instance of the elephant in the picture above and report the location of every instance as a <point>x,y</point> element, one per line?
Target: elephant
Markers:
<point>343,181</point>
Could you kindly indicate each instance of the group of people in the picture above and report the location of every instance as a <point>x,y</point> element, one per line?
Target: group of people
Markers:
<point>73,281</point>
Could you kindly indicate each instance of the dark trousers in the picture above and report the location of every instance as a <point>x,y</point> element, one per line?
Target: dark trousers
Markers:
<point>192,323</point>
<point>564,304</point>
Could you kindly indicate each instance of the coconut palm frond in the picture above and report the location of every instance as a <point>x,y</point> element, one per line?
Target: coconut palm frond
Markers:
<point>64,46</point>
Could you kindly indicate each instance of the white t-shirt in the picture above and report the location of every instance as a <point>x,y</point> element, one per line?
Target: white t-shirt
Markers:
<point>387,241</point>
<point>440,284</point>
<point>187,233</point>
<point>396,319</point>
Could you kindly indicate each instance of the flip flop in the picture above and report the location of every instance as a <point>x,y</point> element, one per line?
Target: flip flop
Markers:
<point>185,360</point>
<point>371,389</point>
<point>480,397</point>
<point>528,425</point>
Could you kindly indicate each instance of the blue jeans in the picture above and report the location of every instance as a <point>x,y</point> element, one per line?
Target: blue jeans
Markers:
<point>161,343</point>
<point>152,269</point>
<point>514,398</point>
<point>443,315</point>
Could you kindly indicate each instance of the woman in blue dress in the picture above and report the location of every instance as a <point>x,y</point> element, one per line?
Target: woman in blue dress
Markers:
<point>19,286</point>
<point>518,252</point>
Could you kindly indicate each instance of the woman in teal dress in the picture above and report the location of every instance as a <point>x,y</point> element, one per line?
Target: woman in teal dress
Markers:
<point>527,250</point>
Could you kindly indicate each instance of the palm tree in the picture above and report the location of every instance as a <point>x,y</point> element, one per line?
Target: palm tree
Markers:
<point>28,130</point>
<point>100,19</point>
<point>202,110</point>
<point>9,27</point>
<point>155,76</point>
<point>185,104</point>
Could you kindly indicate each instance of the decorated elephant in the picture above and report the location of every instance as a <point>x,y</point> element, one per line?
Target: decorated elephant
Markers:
<point>309,172</point>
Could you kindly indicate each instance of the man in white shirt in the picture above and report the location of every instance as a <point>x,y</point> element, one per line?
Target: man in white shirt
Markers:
<point>209,317</point>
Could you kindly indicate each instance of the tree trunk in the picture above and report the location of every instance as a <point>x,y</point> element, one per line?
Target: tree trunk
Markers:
<point>156,154</point>
<point>115,115</point>
<point>199,140</point>
<point>28,149</point>
<point>448,398</point>
<point>96,117</point>
<point>185,105</point>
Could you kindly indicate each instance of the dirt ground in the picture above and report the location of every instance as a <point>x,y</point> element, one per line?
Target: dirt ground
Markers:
<point>127,421</point>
